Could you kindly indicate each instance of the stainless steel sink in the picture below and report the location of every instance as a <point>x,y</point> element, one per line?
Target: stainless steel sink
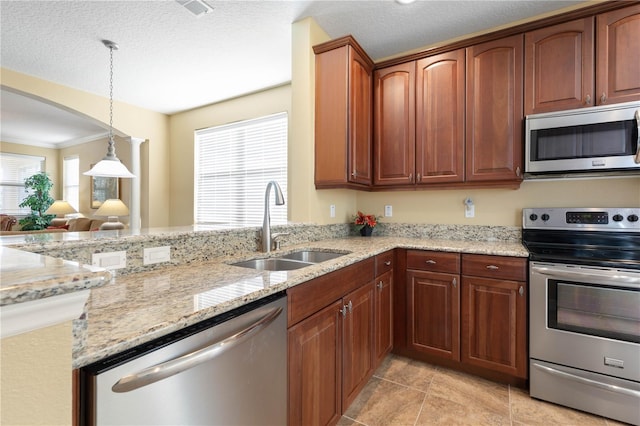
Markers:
<point>273,264</point>
<point>312,256</point>
<point>289,262</point>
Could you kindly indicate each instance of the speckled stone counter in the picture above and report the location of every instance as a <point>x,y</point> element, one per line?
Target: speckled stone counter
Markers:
<point>29,276</point>
<point>136,308</point>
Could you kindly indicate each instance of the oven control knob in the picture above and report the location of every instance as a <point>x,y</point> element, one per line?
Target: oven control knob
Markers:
<point>545,217</point>
<point>533,217</point>
<point>632,218</point>
<point>618,218</point>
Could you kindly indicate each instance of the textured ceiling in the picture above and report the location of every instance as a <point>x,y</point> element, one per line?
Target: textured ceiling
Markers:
<point>171,61</point>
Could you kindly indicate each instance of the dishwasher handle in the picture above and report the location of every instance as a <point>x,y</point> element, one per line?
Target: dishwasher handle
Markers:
<point>174,366</point>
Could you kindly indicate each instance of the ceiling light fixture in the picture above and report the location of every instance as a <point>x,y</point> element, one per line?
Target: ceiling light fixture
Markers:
<point>405,1</point>
<point>110,165</point>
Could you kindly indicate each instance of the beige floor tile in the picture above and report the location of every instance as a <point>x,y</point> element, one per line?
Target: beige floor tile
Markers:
<point>459,398</point>
<point>385,403</point>
<point>408,372</point>
<point>529,411</point>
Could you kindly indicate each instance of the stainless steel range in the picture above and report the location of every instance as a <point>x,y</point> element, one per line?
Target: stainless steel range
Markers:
<point>584,312</point>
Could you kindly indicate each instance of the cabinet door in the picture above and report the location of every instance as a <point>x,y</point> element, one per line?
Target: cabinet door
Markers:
<point>434,312</point>
<point>383,330</point>
<point>315,366</point>
<point>494,325</point>
<point>394,121</point>
<point>440,118</point>
<point>618,65</point>
<point>494,110</point>
<point>559,67</point>
<point>360,146</point>
<point>357,348</point>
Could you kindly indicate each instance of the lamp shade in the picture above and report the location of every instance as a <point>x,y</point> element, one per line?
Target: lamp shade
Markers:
<point>110,168</point>
<point>112,207</point>
<point>60,207</point>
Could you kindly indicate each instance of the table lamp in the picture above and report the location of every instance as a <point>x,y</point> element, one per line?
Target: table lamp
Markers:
<point>112,208</point>
<point>60,208</point>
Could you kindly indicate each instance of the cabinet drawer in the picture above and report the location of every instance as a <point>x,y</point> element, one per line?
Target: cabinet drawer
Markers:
<point>310,297</point>
<point>436,261</point>
<point>503,267</point>
<point>384,262</point>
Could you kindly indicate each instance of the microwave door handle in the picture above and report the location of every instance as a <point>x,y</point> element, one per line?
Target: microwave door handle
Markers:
<point>637,115</point>
<point>174,366</point>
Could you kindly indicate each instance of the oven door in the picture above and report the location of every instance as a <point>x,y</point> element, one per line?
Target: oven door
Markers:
<point>586,318</point>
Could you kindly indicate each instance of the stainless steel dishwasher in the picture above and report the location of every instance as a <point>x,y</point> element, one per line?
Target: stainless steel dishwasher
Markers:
<point>228,370</point>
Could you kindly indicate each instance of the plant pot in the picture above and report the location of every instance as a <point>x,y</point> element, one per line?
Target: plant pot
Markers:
<point>366,231</point>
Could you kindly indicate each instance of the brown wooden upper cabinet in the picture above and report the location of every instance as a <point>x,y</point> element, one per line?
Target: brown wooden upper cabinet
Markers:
<point>584,62</point>
<point>343,115</point>
<point>419,121</point>
<point>493,146</point>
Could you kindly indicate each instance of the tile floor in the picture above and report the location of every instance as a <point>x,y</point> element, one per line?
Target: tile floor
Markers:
<point>406,392</point>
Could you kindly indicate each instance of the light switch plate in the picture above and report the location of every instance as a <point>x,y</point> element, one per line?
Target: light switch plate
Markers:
<point>111,260</point>
<point>156,255</point>
<point>388,211</point>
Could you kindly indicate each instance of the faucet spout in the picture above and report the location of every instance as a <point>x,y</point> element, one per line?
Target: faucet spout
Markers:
<point>266,222</point>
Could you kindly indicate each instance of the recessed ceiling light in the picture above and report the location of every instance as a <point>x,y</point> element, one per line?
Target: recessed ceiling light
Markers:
<point>197,7</point>
<point>405,1</point>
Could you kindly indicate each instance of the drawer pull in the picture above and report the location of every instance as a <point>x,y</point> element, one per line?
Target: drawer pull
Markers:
<point>521,291</point>
<point>454,282</point>
<point>430,262</point>
<point>388,262</point>
<point>492,267</point>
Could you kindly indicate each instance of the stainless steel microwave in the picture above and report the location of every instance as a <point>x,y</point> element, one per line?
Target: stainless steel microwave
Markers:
<point>586,140</point>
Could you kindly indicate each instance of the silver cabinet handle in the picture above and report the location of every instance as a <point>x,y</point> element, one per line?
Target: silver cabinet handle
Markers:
<point>637,115</point>
<point>343,311</point>
<point>603,98</point>
<point>492,267</point>
<point>585,381</point>
<point>418,177</point>
<point>454,282</point>
<point>518,171</point>
<point>388,262</point>
<point>350,305</point>
<point>521,291</point>
<point>174,366</point>
<point>430,262</point>
<point>587,100</point>
<point>380,285</point>
<point>410,177</point>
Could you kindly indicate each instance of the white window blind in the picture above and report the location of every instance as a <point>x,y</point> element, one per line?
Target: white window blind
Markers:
<point>233,164</point>
<point>15,169</point>
<point>71,181</point>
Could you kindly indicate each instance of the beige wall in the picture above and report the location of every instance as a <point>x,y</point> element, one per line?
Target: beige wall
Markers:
<point>128,120</point>
<point>52,162</point>
<point>35,372</point>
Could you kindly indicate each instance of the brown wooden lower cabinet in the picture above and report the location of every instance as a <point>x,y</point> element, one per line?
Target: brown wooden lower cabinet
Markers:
<point>467,312</point>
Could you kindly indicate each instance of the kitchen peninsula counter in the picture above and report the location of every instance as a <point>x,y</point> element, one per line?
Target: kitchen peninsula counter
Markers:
<point>136,308</point>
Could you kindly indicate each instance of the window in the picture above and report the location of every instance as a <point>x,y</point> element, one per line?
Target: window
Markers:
<point>15,169</point>
<point>71,181</point>
<point>233,164</point>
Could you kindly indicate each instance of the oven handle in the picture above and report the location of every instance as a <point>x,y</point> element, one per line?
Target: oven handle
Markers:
<point>637,114</point>
<point>585,381</point>
<point>620,278</point>
<point>174,366</point>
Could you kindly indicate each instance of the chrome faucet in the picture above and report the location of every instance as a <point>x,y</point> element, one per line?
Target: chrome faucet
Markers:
<point>266,223</point>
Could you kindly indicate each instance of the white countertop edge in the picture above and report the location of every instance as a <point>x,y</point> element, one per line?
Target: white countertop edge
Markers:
<point>36,314</point>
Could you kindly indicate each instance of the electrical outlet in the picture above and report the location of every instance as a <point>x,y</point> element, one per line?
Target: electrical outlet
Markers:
<point>156,255</point>
<point>111,260</point>
<point>470,211</point>
<point>388,211</point>
<point>332,210</point>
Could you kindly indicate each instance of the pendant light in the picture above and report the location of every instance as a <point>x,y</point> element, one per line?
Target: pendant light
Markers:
<point>110,165</point>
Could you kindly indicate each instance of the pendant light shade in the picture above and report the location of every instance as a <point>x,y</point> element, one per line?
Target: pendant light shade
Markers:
<point>110,165</point>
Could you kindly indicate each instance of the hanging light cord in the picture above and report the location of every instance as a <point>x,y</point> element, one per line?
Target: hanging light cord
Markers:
<point>111,150</point>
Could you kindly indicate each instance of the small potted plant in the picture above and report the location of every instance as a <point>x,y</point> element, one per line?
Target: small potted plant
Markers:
<point>365,223</point>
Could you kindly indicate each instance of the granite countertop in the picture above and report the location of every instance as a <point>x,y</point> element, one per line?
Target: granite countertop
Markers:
<point>136,308</point>
<point>28,276</point>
